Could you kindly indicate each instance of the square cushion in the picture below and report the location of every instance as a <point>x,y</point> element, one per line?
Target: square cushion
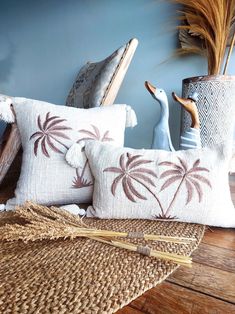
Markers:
<point>97,83</point>
<point>47,131</point>
<point>189,186</point>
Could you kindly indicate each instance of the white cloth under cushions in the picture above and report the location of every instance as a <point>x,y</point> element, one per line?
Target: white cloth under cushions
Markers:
<point>47,131</point>
<point>189,186</point>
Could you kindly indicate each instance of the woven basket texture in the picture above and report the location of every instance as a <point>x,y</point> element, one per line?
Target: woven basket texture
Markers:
<point>82,275</point>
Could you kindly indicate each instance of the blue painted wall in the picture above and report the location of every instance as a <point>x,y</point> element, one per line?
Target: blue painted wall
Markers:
<point>44,43</point>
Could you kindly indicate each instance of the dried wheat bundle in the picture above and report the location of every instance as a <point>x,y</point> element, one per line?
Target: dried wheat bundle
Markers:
<point>207,27</point>
<point>42,222</point>
<point>50,223</point>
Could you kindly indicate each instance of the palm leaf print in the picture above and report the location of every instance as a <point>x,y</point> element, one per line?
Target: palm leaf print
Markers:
<point>79,182</point>
<point>129,171</point>
<point>94,135</point>
<point>190,177</point>
<point>49,136</point>
<point>170,181</point>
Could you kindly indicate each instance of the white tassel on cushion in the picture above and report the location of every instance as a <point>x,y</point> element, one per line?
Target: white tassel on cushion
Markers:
<point>131,119</point>
<point>75,156</point>
<point>6,113</point>
<point>2,207</point>
<point>90,209</point>
<point>74,209</point>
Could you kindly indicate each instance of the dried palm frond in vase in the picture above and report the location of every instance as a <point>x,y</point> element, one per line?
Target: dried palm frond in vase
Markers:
<point>207,27</point>
<point>42,222</point>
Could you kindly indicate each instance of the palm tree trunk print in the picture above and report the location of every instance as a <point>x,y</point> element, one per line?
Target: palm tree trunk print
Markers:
<point>174,197</point>
<point>84,168</point>
<point>79,181</point>
<point>153,194</point>
<point>65,146</point>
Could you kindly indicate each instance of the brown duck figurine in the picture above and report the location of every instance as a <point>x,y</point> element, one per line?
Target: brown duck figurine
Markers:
<point>191,137</point>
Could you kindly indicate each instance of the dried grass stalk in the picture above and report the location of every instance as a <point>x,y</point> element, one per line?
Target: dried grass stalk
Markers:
<point>42,222</point>
<point>208,21</point>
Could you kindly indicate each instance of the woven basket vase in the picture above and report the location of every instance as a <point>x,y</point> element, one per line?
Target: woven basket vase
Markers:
<point>216,106</point>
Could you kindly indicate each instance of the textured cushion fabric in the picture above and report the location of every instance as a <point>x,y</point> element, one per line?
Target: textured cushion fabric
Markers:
<point>188,186</point>
<point>47,131</point>
<point>93,80</point>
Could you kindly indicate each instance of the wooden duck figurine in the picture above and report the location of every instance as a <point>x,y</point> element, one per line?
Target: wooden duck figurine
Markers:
<point>191,137</point>
<point>161,133</point>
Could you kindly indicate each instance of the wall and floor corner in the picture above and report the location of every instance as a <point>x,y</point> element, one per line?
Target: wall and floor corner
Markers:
<point>44,44</point>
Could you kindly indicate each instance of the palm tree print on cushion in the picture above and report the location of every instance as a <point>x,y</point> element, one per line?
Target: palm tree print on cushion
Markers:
<point>192,178</point>
<point>94,135</point>
<point>50,135</point>
<point>131,169</point>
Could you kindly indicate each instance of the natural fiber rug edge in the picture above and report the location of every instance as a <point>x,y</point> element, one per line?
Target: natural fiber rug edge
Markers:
<point>166,276</point>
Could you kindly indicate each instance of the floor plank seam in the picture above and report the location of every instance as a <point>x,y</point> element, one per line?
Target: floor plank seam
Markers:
<point>200,292</point>
<point>219,247</point>
<point>212,266</point>
<point>136,308</point>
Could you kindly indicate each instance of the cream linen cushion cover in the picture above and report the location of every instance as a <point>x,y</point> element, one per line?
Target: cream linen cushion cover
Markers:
<point>189,186</point>
<point>47,131</point>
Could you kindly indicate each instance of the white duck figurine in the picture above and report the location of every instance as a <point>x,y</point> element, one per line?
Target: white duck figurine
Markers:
<point>190,138</point>
<point>161,133</point>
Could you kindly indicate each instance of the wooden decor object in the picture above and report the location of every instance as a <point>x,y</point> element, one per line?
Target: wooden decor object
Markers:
<point>189,105</point>
<point>120,73</point>
<point>191,137</point>
<point>9,147</point>
<point>161,132</point>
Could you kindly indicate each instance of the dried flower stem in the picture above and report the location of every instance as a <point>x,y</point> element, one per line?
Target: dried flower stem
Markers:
<point>210,22</point>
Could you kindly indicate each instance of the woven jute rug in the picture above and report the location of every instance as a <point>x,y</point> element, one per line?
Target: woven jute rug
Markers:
<point>82,275</point>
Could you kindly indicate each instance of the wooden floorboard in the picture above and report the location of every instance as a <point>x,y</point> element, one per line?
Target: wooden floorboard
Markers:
<point>171,298</point>
<point>216,257</point>
<point>224,238</point>
<point>209,280</point>
<point>206,288</point>
<point>130,310</point>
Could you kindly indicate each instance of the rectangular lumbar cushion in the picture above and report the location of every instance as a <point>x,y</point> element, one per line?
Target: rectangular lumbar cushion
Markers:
<point>49,132</point>
<point>189,186</point>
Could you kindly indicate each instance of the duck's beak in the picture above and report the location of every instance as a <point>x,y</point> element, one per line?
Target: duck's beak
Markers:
<point>150,87</point>
<point>183,101</point>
